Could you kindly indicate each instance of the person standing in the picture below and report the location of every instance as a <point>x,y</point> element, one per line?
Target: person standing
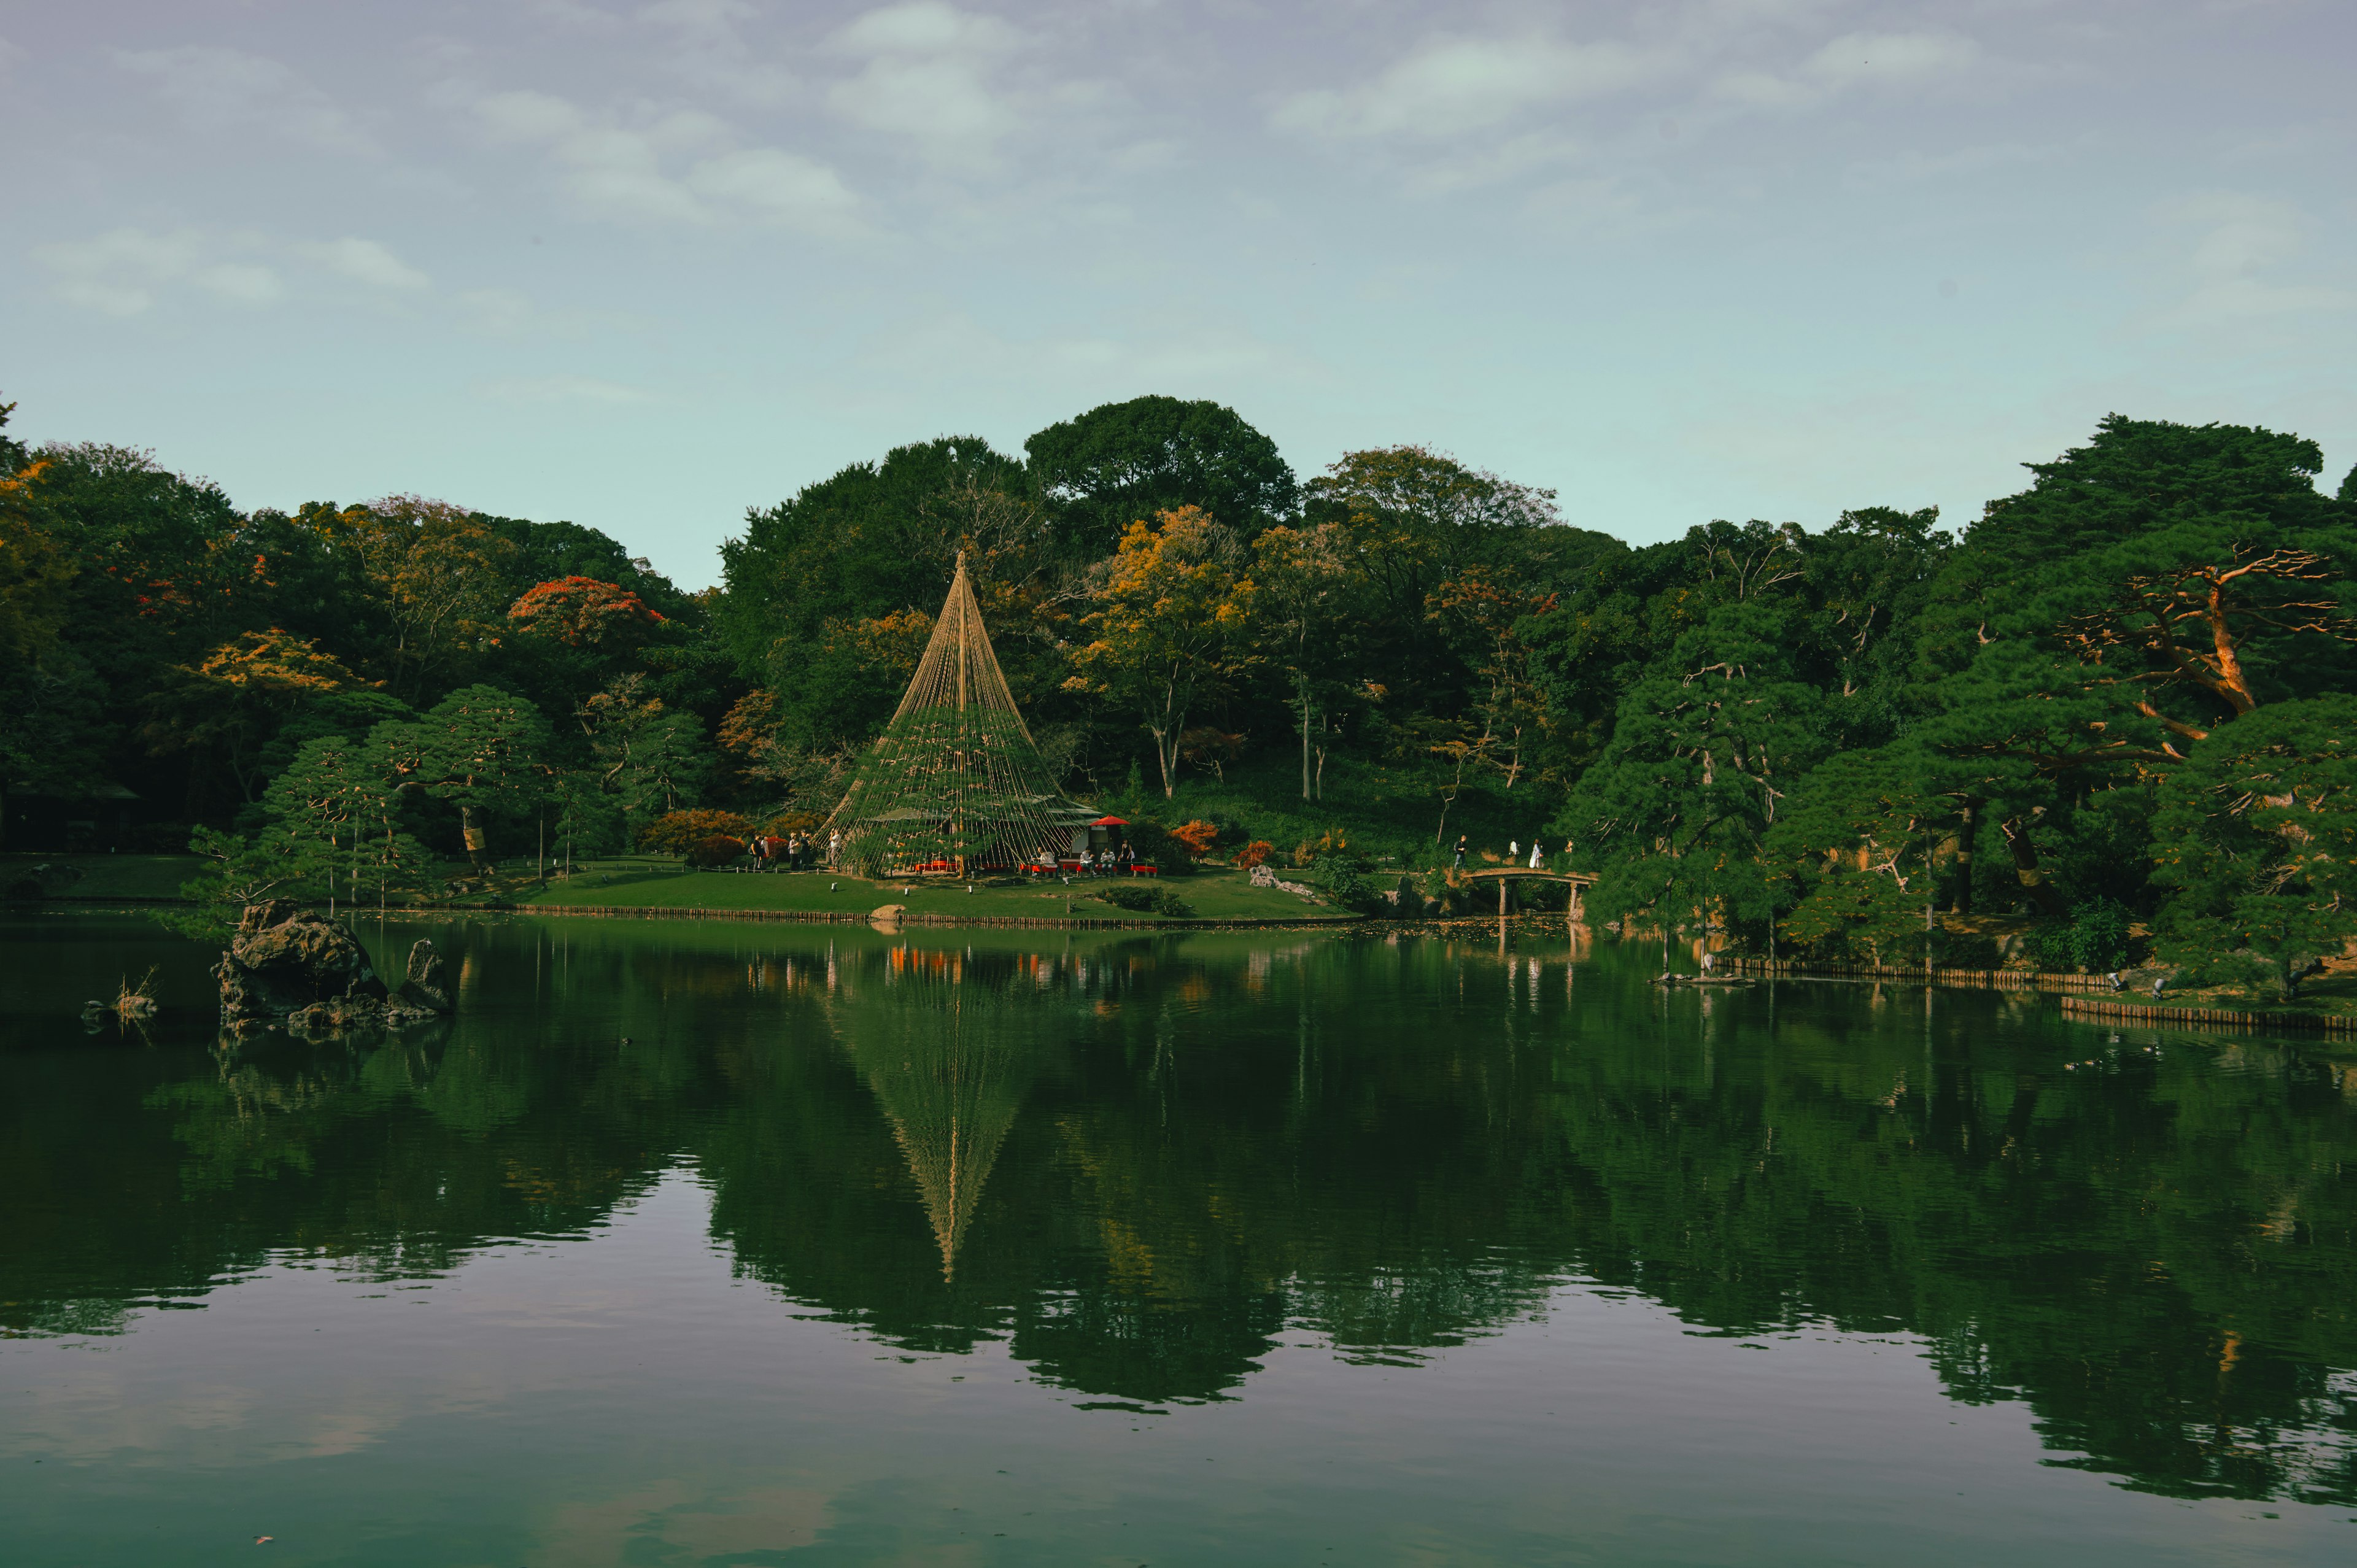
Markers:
<point>1534,854</point>
<point>1459,866</point>
<point>835,847</point>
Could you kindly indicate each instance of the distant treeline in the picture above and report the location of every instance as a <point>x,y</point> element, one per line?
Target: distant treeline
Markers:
<point>2124,699</point>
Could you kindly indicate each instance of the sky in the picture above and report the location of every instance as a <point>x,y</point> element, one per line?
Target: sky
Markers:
<point>645,265</point>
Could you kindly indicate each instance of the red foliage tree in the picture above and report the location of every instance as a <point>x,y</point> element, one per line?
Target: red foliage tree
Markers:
<point>582,612</point>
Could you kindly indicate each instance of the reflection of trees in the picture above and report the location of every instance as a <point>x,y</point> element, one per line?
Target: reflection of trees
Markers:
<point>950,1064</point>
<point>1142,1161</point>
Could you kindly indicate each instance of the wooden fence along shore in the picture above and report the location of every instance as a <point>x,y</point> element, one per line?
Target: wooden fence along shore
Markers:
<point>2090,1007</point>
<point>1967,979</point>
<point>2101,1005</point>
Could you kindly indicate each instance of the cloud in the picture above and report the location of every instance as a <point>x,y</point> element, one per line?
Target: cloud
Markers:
<point>617,172</point>
<point>117,272</point>
<point>240,282</point>
<point>780,185</point>
<point>125,272</point>
<point>365,262</point>
<point>562,389</point>
<point>1449,87</point>
<point>2240,238</point>
<point>710,53</point>
<point>927,79</point>
<point>222,88</point>
<point>1853,61</point>
<point>11,57</point>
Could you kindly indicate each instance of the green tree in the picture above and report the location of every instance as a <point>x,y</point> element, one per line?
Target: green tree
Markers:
<point>1675,815</point>
<point>336,810</point>
<point>2257,843</point>
<point>1308,593</point>
<point>1858,842</point>
<point>483,750</point>
<point>1122,461</point>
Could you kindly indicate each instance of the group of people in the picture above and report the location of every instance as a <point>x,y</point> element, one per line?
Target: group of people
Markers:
<point>794,852</point>
<point>1118,860</point>
<point>1514,853</point>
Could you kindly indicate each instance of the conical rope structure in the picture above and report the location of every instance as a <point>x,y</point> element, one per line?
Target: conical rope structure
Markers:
<point>954,783</point>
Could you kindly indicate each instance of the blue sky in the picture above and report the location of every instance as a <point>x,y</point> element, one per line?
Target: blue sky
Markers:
<point>643,265</point>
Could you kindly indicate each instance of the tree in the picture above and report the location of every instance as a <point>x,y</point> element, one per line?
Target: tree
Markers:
<point>334,811</point>
<point>234,702</point>
<point>2257,843</point>
<point>1860,838</point>
<point>873,541</point>
<point>584,613</point>
<point>440,571</point>
<point>237,871</point>
<point>1483,617</point>
<point>1674,814</point>
<point>1123,461</point>
<point>481,749</point>
<point>1307,587</point>
<point>1168,625</point>
<point>650,760</point>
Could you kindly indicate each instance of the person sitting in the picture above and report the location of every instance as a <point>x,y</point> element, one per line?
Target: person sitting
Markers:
<point>1088,861</point>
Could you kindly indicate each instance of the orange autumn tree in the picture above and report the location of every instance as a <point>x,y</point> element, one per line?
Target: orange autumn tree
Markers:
<point>584,612</point>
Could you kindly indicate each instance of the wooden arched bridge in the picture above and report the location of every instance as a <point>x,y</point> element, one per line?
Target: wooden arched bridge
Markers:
<point>1578,881</point>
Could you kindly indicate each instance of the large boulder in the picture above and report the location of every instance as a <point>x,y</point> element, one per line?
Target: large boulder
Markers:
<point>426,986</point>
<point>292,965</point>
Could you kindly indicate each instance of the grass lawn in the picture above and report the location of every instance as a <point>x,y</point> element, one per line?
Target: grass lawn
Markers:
<point>646,883</point>
<point>1389,811</point>
<point>108,876</point>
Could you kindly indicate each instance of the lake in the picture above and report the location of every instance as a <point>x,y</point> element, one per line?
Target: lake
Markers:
<point>716,1243</point>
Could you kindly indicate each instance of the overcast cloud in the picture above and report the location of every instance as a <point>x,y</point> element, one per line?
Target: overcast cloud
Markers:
<point>643,265</point>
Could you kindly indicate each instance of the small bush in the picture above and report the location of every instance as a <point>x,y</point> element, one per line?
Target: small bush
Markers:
<point>717,850</point>
<point>676,832</point>
<point>2095,939</point>
<point>1199,836</point>
<point>1254,854</point>
<point>1143,897</point>
<point>785,824</point>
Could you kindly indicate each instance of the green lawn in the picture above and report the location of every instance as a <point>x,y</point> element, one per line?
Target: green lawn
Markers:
<point>1388,811</point>
<point>106,876</point>
<point>640,883</point>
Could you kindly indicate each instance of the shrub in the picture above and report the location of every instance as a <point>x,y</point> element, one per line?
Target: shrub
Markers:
<point>2095,939</point>
<point>717,850</point>
<point>676,832</point>
<point>785,824</point>
<point>1141,897</point>
<point>1199,836</point>
<point>1252,854</point>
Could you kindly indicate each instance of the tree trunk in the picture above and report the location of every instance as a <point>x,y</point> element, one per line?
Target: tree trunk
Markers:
<point>1971,812</point>
<point>478,840</point>
<point>2026,868</point>
<point>1305,740</point>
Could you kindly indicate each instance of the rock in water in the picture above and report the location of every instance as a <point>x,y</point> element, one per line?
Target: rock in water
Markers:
<point>426,986</point>
<point>292,965</point>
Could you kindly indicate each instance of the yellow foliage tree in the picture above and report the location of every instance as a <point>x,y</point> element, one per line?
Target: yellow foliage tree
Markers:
<point>1169,627</point>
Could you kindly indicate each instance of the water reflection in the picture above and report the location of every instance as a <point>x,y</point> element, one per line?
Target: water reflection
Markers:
<point>1143,1163</point>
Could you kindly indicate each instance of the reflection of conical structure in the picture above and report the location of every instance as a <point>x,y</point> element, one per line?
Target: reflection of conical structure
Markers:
<point>950,1066</point>
<point>955,779</point>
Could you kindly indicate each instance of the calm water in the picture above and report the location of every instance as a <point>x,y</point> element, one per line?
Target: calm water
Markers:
<point>750,1244</point>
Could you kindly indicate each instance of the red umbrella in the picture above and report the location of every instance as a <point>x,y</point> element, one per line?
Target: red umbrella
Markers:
<point>1109,822</point>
